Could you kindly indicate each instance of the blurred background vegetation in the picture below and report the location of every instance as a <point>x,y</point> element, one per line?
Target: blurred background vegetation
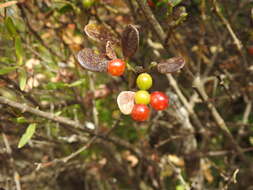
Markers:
<point>80,140</point>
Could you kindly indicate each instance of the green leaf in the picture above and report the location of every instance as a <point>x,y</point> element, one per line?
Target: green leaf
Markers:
<point>27,135</point>
<point>180,187</point>
<point>19,50</point>
<point>22,79</point>
<point>251,140</point>
<point>77,83</point>
<point>58,113</point>
<point>55,85</point>
<point>175,2</point>
<point>7,70</point>
<point>21,120</point>
<point>61,85</point>
<point>66,8</point>
<point>10,27</point>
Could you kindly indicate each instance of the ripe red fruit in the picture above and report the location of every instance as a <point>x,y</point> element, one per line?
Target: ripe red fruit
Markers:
<point>116,67</point>
<point>140,112</point>
<point>151,3</point>
<point>250,50</point>
<point>159,100</point>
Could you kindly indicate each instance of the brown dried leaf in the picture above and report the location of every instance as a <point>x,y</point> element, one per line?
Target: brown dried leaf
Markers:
<point>100,34</point>
<point>110,53</point>
<point>102,91</point>
<point>133,160</point>
<point>171,65</point>
<point>2,83</point>
<point>125,102</point>
<point>205,166</point>
<point>91,61</point>
<point>176,160</point>
<point>130,40</point>
<point>252,14</point>
<point>7,4</point>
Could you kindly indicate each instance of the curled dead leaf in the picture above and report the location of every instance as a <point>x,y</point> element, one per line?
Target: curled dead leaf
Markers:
<point>91,61</point>
<point>110,53</point>
<point>125,102</point>
<point>100,33</point>
<point>176,160</point>
<point>130,40</point>
<point>102,91</point>
<point>171,65</point>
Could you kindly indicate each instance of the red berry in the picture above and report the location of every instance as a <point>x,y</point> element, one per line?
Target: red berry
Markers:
<point>250,50</point>
<point>151,3</point>
<point>116,67</point>
<point>140,112</point>
<point>159,100</point>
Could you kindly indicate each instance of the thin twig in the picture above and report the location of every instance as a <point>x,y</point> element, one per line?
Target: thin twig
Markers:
<point>162,36</point>
<point>178,174</point>
<point>35,33</point>
<point>199,87</point>
<point>237,42</point>
<point>20,92</point>
<point>69,123</point>
<point>225,152</point>
<point>15,173</point>
<point>152,20</point>
<point>76,153</point>
<point>247,111</point>
<point>94,108</point>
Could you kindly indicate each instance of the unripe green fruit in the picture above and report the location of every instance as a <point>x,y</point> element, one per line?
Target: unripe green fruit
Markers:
<point>142,97</point>
<point>144,81</point>
<point>87,3</point>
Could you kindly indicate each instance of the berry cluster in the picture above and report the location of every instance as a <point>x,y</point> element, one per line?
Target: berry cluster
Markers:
<point>131,103</point>
<point>140,110</point>
<point>136,103</point>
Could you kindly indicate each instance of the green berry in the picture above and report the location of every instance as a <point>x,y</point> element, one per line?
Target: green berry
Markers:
<point>87,3</point>
<point>144,81</point>
<point>142,97</point>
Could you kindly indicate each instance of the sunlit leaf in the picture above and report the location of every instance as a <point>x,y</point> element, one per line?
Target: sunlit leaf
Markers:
<point>171,65</point>
<point>7,70</point>
<point>87,4</point>
<point>10,26</point>
<point>125,101</point>
<point>110,53</point>
<point>77,83</point>
<point>175,2</point>
<point>251,140</point>
<point>19,50</point>
<point>180,187</point>
<point>252,14</point>
<point>21,120</point>
<point>91,61</point>
<point>22,79</point>
<point>130,40</point>
<point>27,135</point>
<point>56,85</point>
<point>7,4</point>
<point>99,33</point>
